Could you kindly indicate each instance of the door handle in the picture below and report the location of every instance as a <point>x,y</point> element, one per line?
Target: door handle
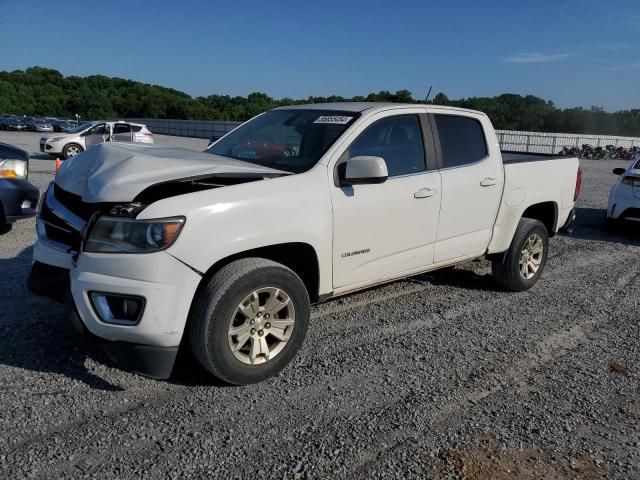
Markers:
<point>488,181</point>
<point>425,193</point>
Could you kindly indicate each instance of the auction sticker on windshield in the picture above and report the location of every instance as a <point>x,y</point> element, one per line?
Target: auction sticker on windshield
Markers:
<point>333,119</point>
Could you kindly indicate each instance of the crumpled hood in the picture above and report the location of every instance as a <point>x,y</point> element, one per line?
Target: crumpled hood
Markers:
<point>112,172</point>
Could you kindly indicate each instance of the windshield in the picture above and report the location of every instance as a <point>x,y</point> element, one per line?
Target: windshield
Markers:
<point>80,128</point>
<point>291,140</point>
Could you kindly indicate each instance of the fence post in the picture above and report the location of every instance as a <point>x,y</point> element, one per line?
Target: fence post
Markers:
<point>528,142</point>
<point>553,145</point>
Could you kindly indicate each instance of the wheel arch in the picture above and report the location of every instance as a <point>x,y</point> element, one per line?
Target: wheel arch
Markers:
<point>544,212</point>
<point>298,256</point>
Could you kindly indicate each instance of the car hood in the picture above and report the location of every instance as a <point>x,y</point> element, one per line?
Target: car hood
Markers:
<point>61,135</point>
<point>111,172</point>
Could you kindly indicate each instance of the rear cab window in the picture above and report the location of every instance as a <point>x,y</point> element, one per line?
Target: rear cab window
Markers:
<point>462,140</point>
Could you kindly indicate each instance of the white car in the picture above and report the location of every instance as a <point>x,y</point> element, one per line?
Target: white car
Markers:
<point>88,133</point>
<point>227,248</point>
<point>624,198</point>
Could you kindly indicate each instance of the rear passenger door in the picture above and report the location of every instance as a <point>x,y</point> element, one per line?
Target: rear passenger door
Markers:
<point>472,179</point>
<point>121,133</point>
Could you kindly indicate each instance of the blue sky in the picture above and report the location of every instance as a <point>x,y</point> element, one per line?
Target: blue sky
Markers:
<point>574,52</point>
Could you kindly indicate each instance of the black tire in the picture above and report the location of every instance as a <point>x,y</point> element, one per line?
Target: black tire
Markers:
<point>4,226</point>
<point>611,224</point>
<point>65,150</point>
<point>215,304</point>
<point>507,270</point>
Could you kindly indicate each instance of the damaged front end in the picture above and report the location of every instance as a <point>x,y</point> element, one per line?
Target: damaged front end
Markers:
<point>68,225</point>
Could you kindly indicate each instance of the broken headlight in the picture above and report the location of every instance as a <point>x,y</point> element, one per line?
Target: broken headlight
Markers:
<point>127,235</point>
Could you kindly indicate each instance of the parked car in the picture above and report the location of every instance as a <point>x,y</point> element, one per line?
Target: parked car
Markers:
<point>75,141</point>
<point>64,126</point>
<point>38,125</point>
<point>41,125</point>
<point>16,124</point>
<point>624,198</point>
<point>18,197</point>
<point>5,120</point>
<point>228,247</point>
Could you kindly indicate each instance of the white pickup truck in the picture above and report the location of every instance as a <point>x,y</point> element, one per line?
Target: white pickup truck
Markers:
<point>226,249</point>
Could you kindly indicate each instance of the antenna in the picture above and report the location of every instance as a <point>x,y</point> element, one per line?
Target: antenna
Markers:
<point>428,94</point>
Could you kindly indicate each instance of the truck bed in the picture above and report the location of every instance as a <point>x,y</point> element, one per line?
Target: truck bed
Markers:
<point>522,157</point>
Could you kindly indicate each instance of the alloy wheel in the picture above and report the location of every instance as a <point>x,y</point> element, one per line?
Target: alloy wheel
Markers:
<point>531,256</point>
<point>261,326</point>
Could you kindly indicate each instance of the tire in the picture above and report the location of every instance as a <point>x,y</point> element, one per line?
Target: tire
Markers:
<point>71,150</point>
<point>611,224</point>
<point>216,311</point>
<point>4,226</point>
<point>508,271</point>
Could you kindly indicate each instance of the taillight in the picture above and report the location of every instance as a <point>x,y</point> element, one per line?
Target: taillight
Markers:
<point>578,191</point>
<point>631,180</point>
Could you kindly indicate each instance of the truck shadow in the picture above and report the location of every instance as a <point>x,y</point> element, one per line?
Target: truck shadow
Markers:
<point>34,334</point>
<point>590,225</point>
<point>460,277</point>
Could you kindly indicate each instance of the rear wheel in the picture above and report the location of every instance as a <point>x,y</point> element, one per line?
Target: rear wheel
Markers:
<point>611,224</point>
<point>249,320</point>
<point>71,150</point>
<point>4,226</point>
<point>522,266</point>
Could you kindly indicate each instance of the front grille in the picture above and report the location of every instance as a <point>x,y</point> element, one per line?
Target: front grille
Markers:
<point>74,203</point>
<point>58,230</point>
<point>55,226</point>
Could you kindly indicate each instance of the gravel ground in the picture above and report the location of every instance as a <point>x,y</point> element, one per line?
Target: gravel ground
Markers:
<point>441,376</point>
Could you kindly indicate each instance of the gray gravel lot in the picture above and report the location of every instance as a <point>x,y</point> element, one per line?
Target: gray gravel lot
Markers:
<point>441,376</point>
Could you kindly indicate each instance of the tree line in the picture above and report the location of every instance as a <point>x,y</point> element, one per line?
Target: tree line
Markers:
<point>44,91</point>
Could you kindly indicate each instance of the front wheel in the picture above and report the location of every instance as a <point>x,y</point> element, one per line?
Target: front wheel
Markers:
<point>521,267</point>
<point>71,150</point>
<point>249,320</point>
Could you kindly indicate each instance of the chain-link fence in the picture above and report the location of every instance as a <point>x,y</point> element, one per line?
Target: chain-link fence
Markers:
<point>535,142</point>
<point>187,128</point>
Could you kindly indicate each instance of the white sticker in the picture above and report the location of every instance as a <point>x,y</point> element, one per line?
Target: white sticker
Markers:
<point>333,119</point>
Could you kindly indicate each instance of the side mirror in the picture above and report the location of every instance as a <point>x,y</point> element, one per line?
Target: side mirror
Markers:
<point>618,171</point>
<point>364,170</point>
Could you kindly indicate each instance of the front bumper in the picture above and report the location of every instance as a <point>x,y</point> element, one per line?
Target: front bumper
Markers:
<point>166,284</point>
<point>50,147</point>
<point>18,199</point>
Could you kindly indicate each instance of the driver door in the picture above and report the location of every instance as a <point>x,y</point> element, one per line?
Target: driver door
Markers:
<point>384,230</point>
<point>97,134</point>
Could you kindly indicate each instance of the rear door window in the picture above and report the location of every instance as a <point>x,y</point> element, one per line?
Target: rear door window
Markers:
<point>462,140</point>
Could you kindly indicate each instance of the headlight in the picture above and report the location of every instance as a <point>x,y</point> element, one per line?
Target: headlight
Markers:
<point>126,235</point>
<point>13,169</point>
<point>55,139</point>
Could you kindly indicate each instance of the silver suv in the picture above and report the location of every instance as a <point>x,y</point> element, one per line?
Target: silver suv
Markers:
<point>89,133</point>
